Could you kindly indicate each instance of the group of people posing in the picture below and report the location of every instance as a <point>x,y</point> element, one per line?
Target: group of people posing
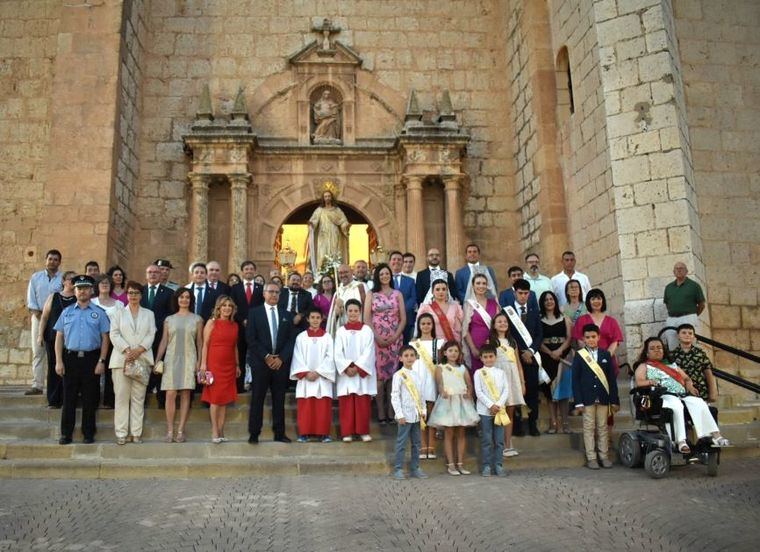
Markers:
<point>437,351</point>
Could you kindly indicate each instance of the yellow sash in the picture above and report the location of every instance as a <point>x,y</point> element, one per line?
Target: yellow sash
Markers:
<point>510,352</point>
<point>412,388</point>
<point>598,372</point>
<point>425,356</point>
<point>501,418</point>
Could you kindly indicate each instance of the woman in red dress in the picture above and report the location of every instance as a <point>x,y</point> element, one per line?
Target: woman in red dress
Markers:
<point>220,358</point>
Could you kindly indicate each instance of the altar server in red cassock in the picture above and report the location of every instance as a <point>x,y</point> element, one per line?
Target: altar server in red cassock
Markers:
<point>356,381</point>
<point>314,368</point>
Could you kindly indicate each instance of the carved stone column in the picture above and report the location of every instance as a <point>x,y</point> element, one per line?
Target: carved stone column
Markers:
<point>455,237</point>
<point>199,216</point>
<point>399,197</point>
<point>239,219</point>
<point>415,221</point>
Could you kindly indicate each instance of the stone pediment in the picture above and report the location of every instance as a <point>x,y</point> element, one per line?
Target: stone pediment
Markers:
<point>337,54</point>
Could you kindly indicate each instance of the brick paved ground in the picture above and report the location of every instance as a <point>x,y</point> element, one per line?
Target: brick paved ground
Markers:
<point>572,509</point>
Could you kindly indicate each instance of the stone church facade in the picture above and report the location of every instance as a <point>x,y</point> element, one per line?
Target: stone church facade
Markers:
<point>626,130</point>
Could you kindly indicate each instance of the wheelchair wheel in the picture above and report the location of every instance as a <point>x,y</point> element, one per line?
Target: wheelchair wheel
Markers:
<point>629,451</point>
<point>657,463</point>
<point>712,464</point>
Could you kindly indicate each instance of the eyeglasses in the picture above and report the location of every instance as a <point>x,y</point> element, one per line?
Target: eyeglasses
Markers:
<point>275,291</point>
<point>134,293</point>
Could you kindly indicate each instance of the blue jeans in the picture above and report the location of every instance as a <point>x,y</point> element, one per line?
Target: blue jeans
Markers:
<point>491,442</point>
<point>406,431</point>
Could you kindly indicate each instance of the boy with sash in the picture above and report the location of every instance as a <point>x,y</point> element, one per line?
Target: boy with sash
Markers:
<point>313,367</point>
<point>409,407</point>
<point>356,383</point>
<point>596,395</point>
<point>492,391</point>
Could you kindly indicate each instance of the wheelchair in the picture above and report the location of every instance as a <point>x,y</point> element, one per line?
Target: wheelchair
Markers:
<point>653,447</point>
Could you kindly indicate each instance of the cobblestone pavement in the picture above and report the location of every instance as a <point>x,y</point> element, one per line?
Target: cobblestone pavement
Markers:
<point>572,509</point>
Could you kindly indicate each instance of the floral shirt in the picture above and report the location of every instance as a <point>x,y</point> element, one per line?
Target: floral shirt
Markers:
<point>694,362</point>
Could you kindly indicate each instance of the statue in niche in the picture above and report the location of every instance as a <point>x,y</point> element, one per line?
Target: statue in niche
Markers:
<point>328,231</point>
<point>326,113</point>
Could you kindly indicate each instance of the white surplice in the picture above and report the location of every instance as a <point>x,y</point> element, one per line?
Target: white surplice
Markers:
<point>344,293</point>
<point>313,354</point>
<point>358,347</point>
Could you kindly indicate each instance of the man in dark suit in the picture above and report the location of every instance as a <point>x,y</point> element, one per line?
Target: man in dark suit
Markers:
<point>406,286</point>
<point>296,301</point>
<point>464,275</point>
<point>531,319</point>
<point>507,297</point>
<point>158,298</point>
<point>433,272</point>
<point>214,270</point>
<point>246,295</point>
<point>596,393</point>
<point>205,296</point>
<point>271,336</point>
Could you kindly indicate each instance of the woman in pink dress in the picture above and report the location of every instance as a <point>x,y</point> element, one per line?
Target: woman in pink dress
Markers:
<point>119,279</point>
<point>479,310</point>
<point>610,335</point>
<point>323,298</point>
<point>447,313</point>
<point>384,310</point>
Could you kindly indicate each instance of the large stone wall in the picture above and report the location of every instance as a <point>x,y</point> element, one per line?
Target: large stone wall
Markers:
<point>28,44</point>
<point>427,45</point>
<point>719,47</point>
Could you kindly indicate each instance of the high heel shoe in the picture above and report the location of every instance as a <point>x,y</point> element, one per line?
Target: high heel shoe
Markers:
<point>451,470</point>
<point>461,469</point>
<point>180,437</point>
<point>169,437</point>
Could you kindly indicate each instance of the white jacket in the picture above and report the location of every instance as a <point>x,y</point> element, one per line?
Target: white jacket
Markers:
<point>128,333</point>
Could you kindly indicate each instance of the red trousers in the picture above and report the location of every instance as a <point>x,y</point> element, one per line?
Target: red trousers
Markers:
<point>314,416</point>
<point>354,413</point>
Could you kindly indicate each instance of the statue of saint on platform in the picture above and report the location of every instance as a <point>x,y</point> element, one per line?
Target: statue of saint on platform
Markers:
<point>327,120</point>
<point>328,228</point>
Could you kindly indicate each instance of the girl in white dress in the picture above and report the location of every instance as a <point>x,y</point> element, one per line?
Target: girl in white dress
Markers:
<point>454,409</point>
<point>426,346</point>
<point>508,360</point>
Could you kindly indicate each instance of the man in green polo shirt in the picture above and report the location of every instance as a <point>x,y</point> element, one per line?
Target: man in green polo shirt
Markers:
<point>685,302</point>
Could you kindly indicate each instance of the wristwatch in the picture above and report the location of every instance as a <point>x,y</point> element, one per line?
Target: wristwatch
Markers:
<point>101,361</point>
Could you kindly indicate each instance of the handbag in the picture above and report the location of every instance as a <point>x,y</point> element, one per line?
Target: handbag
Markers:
<point>208,380</point>
<point>159,367</point>
<point>137,370</point>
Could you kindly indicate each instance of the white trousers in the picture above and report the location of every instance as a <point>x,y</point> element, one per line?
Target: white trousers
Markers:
<point>671,336</point>
<point>39,367</point>
<point>704,424</point>
<point>129,405</point>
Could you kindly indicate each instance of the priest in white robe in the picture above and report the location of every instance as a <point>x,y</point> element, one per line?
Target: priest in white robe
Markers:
<point>348,288</point>
<point>313,366</point>
<point>356,382</point>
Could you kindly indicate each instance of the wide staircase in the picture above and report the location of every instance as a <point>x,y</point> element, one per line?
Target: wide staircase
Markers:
<point>29,432</point>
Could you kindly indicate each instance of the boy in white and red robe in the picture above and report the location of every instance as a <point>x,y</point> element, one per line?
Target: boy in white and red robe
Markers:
<point>314,368</point>
<point>356,382</point>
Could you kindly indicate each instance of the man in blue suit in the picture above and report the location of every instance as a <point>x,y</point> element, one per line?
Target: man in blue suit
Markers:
<point>507,297</point>
<point>205,295</point>
<point>464,275</point>
<point>408,289</point>
<point>531,319</point>
<point>270,335</point>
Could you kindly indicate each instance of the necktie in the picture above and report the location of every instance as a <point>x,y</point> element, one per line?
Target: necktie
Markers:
<point>151,295</point>
<point>273,325</point>
<point>398,282</point>
<point>293,302</point>
<point>199,300</point>
<point>248,292</point>
<point>523,314</point>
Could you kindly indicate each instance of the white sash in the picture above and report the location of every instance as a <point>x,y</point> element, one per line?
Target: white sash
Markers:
<point>481,311</point>
<point>517,322</point>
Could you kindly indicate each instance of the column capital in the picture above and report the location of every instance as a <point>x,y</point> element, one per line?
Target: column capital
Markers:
<point>452,181</point>
<point>412,181</point>
<point>239,180</point>
<point>199,180</point>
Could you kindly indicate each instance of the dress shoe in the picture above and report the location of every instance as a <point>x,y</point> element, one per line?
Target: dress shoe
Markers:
<point>33,391</point>
<point>253,440</point>
<point>534,431</point>
<point>88,440</point>
<point>592,465</point>
<point>282,439</point>
<point>64,441</point>
<point>518,431</point>
<point>606,464</point>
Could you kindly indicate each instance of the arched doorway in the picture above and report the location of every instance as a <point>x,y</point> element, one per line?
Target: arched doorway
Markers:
<point>294,233</point>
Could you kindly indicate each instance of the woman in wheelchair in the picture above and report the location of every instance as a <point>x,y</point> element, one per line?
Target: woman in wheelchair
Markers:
<point>652,371</point>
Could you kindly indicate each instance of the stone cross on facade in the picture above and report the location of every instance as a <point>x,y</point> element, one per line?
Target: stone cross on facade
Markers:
<point>326,28</point>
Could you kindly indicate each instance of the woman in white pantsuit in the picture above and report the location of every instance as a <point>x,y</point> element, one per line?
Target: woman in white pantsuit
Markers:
<point>132,332</point>
<point>651,370</point>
